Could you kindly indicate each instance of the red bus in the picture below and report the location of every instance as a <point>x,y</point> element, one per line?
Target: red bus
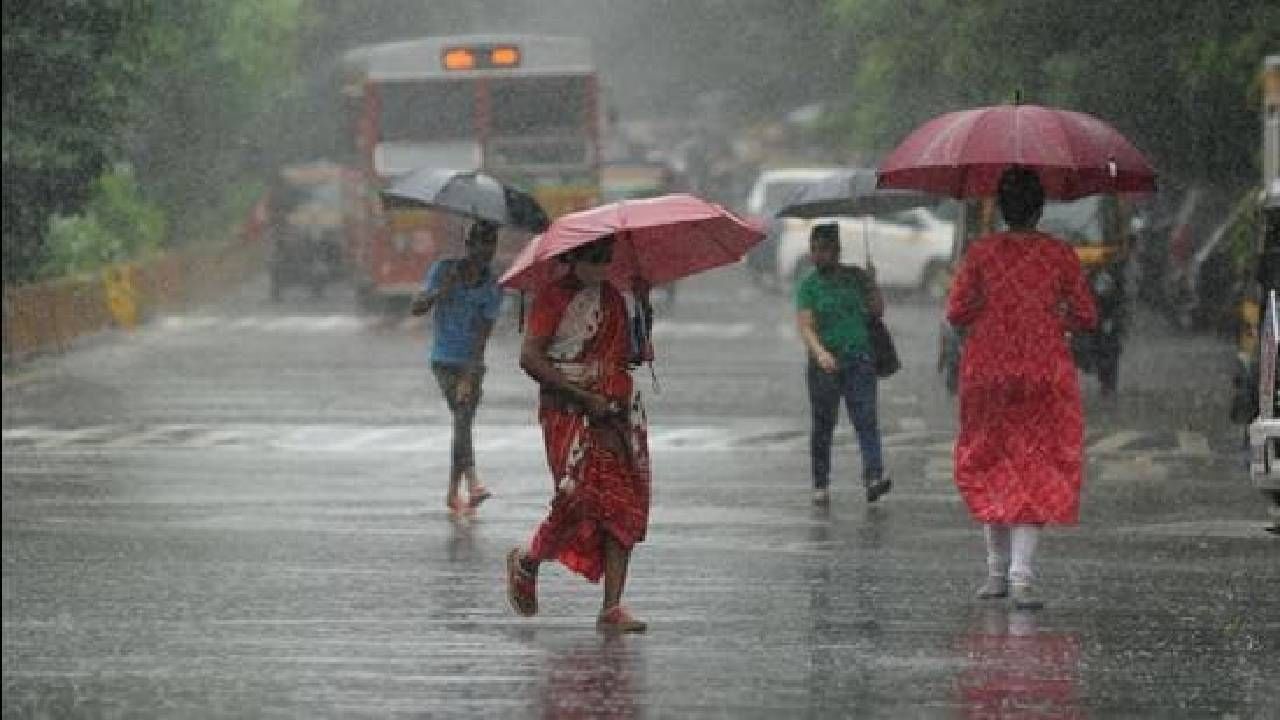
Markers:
<point>524,108</point>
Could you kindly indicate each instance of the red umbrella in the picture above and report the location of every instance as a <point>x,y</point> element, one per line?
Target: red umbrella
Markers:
<point>962,154</point>
<point>660,239</point>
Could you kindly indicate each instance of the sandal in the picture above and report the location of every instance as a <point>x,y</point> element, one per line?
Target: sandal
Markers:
<point>617,619</point>
<point>522,585</point>
<point>479,495</point>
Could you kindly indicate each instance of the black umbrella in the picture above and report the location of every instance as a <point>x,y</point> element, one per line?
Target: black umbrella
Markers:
<point>474,195</point>
<point>850,192</point>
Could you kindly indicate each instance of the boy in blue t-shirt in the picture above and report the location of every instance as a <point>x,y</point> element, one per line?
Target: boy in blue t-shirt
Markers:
<point>466,299</point>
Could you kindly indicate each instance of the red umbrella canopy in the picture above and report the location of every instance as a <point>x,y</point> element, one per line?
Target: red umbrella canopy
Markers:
<point>660,239</point>
<point>961,154</point>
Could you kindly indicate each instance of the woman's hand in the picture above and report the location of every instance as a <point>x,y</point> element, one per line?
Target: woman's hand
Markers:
<point>640,287</point>
<point>826,360</point>
<point>598,405</point>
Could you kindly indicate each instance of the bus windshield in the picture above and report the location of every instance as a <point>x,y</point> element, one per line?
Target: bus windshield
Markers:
<point>426,111</point>
<point>538,106</point>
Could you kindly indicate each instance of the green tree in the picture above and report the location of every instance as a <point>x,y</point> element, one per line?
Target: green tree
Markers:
<point>202,123</point>
<point>66,73</point>
<point>1177,77</point>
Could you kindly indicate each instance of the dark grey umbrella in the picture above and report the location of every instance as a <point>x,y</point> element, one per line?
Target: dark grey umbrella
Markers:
<point>473,194</point>
<point>850,193</point>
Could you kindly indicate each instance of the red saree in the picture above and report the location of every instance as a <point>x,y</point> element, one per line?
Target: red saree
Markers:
<point>600,471</point>
<point>1019,456</point>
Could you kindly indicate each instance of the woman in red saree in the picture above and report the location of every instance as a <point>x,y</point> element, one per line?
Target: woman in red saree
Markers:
<point>1019,455</point>
<point>578,348</point>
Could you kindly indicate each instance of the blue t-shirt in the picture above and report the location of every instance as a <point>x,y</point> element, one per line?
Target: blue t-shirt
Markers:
<point>459,314</point>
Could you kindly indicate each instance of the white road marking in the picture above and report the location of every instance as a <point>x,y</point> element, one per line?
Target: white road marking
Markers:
<point>667,329</point>
<point>939,469</point>
<point>1193,443</point>
<point>913,424</point>
<point>1116,441</point>
<point>936,445</point>
<point>1139,467</point>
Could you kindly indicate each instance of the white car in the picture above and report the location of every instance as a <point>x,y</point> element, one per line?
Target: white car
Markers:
<point>910,249</point>
<point>776,187</point>
<point>773,189</point>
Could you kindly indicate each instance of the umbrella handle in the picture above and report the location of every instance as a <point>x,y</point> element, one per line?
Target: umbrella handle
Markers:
<point>866,246</point>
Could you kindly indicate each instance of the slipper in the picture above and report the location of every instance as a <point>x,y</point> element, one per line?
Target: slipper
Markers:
<point>479,495</point>
<point>522,586</point>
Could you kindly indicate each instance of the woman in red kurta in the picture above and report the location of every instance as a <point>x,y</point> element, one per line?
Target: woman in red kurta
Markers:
<point>578,348</point>
<point>1019,455</point>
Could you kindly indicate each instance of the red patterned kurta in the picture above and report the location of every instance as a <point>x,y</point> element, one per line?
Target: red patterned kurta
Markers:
<point>1019,455</point>
<point>598,487</point>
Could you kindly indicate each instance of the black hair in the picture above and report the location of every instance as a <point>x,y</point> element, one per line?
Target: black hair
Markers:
<point>575,254</point>
<point>827,232</point>
<point>1021,196</point>
<point>483,230</point>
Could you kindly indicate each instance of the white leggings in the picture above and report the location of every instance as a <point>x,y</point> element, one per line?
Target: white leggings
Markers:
<point>1010,549</point>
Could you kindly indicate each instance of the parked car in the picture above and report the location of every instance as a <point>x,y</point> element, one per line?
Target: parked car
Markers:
<point>910,249</point>
<point>773,189</point>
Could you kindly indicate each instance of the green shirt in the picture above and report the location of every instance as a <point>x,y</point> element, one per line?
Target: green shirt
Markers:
<point>839,309</point>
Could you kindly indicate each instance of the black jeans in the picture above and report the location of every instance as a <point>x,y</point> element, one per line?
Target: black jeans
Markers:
<point>854,381</point>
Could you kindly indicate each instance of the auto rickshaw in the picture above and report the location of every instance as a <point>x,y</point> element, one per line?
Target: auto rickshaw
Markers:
<point>1257,390</point>
<point>305,229</point>
<point>1097,226</point>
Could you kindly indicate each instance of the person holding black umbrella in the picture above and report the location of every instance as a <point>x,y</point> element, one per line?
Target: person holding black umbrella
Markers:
<point>835,305</point>
<point>465,296</point>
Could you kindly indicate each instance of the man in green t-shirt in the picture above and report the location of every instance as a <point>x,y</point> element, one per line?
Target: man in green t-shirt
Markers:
<point>834,302</point>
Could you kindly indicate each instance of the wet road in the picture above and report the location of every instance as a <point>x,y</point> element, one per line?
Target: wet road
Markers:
<point>239,512</point>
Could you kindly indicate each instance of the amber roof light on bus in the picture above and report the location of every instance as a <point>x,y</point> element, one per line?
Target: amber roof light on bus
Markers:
<point>476,57</point>
<point>504,56</point>
<point>459,59</point>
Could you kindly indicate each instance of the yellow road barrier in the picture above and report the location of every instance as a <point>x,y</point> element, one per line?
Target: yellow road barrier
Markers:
<point>50,316</point>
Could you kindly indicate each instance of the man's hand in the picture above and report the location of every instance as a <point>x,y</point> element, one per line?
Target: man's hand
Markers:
<point>423,301</point>
<point>826,361</point>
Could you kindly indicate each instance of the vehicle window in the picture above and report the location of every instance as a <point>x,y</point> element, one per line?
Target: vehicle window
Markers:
<point>426,111</point>
<point>779,193</point>
<point>1080,222</point>
<point>538,106</point>
<point>905,217</point>
<point>326,194</point>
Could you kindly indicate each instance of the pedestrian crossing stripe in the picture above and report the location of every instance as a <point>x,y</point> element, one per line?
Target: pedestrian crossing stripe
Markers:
<point>729,437</point>
<point>663,329</point>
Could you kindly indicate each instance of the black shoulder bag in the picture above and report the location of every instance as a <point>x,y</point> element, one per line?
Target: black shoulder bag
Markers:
<point>883,352</point>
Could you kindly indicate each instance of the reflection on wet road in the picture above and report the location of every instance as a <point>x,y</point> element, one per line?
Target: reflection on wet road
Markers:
<point>242,514</point>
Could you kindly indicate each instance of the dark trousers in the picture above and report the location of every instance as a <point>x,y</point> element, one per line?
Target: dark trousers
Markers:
<point>464,413</point>
<point>855,382</point>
